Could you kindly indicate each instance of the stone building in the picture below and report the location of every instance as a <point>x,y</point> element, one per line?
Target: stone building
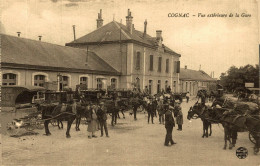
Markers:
<point>112,56</point>
<point>193,80</point>
<point>140,58</point>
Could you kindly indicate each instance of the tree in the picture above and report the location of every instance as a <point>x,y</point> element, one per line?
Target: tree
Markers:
<point>236,78</point>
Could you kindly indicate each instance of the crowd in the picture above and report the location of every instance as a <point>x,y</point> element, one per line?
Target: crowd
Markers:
<point>166,108</point>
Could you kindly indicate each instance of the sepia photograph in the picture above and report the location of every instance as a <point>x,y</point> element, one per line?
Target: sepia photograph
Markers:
<point>130,82</point>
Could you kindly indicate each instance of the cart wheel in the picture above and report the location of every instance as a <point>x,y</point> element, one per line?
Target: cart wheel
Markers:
<point>54,122</point>
<point>29,127</point>
<point>39,125</point>
<point>251,138</point>
<point>12,131</point>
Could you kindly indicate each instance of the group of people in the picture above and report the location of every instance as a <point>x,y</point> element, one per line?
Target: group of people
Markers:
<point>167,110</point>
<point>96,118</point>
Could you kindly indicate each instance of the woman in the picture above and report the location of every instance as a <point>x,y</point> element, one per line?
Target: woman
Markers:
<point>92,122</point>
<point>179,119</point>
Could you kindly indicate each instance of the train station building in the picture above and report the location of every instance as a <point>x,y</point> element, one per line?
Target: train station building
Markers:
<point>112,56</point>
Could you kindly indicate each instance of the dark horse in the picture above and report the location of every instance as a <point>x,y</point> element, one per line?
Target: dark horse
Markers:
<point>234,123</point>
<point>81,111</point>
<point>50,111</point>
<point>203,114</point>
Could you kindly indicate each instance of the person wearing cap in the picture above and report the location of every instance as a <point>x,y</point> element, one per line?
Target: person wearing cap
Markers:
<point>169,124</point>
<point>179,119</point>
<point>102,117</point>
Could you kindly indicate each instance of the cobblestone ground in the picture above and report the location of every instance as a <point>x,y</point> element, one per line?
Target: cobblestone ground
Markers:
<point>130,143</point>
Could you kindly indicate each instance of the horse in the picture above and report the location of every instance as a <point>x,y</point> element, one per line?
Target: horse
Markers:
<point>203,114</point>
<point>234,123</point>
<point>81,111</point>
<point>59,113</point>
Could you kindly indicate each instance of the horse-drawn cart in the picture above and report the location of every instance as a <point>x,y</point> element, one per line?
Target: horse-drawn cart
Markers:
<point>29,123</point>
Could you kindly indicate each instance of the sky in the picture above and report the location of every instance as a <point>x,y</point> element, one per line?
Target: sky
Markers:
<point>214,43</point>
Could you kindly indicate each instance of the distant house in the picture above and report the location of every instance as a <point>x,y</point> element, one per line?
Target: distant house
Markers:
<point>141,59</point>
<point>193,80</point>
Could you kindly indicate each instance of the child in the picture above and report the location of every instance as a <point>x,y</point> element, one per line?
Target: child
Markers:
<point>179,119</point>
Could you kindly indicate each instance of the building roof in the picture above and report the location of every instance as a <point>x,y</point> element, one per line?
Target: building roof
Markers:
<point>111,33</point>
<point>194,75</point>
<point>20,52</point>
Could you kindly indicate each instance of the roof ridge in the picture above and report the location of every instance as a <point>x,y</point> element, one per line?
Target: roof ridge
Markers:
<point>46,43</point>
<point>31,40</point>
<point>127,36</point>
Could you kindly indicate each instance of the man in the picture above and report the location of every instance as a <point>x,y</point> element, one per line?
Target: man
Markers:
<point>102,117</point>
<point>161,111</point>
<point>150,110</point>
<point>187,96</point>
<point>169,124</point>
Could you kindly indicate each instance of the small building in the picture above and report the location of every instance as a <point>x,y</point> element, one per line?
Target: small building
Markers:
<point>193,80</point>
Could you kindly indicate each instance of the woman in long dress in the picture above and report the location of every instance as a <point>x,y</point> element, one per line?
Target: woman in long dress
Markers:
<point>92,122</point>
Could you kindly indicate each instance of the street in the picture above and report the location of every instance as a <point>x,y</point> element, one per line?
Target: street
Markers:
<point>130,143</point>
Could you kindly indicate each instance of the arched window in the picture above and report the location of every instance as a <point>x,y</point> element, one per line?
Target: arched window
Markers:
<point>138,83</point>
<point>9,79</point>
<point>113,83</point>
<point>166,84</point>
<point>159,86</point>
<point>65,81</point>
<point>99,83</point>
<point>150,86</point>
<point>84,81</point>
<point>39,80</point>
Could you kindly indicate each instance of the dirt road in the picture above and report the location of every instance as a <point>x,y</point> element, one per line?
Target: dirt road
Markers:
<point>131,143</point>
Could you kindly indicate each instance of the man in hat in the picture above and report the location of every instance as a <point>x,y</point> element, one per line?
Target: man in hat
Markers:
<point>102,118</point>
<point>169,124</point>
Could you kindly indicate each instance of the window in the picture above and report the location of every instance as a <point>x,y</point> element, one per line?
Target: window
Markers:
<point>99,83</point>
<point>65,81</point>
<point>138,58</point>
<point>9,79</point>
<point>138,83</point>
<point>174,86</point>
<point>160,64</point>
<point>39,80</point>
<point>151,63</point>
<point>166,85</point>
<point>186,87</point>
<point>176,67</point>
<point>113,83</point>
<point>150,86</point>
<point>167,66</point>
<point>159,86</point>
<point>84,81</point>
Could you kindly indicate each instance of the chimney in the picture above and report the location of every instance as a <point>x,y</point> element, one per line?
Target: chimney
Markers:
<point>40,38</point>
<point>18,33</point>
<point>129,20</point>
<point>100,20</point>
<point>145,27</point>
<point>159,34</point>
<point>74,32</point>
<point>185,66</point>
